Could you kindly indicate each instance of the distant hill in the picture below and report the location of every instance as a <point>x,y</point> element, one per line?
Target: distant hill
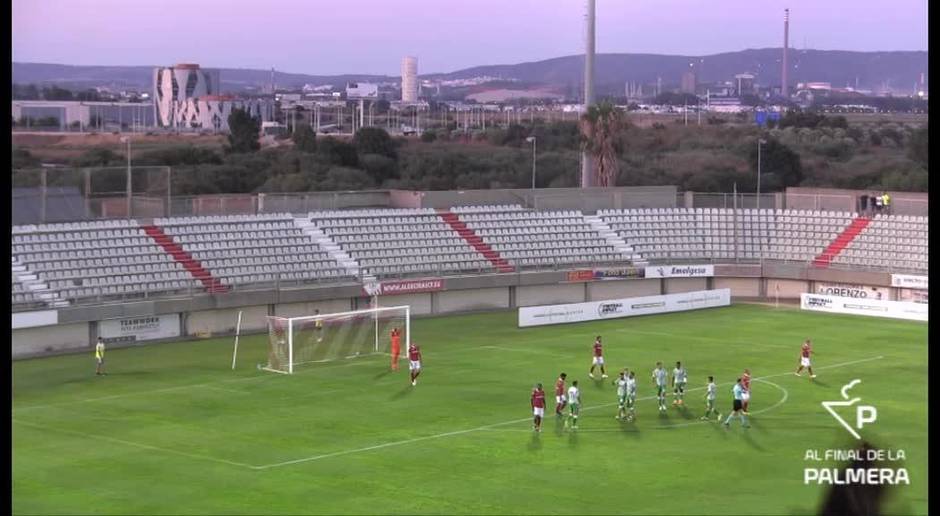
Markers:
<point>899,70</point>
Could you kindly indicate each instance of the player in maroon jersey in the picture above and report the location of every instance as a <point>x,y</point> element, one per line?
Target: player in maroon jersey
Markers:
<point>805,351</point>
<point>414,362</point>
<point>538,406</point>
<point>598,358</point>
<point>560,400</point>
<point>746,385</point>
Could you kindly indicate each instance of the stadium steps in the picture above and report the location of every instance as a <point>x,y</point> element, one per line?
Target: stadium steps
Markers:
<point>841,242</point>
<point>211,284</point>
<point>38,287</point>
<point>327,244</point>
<point>615,240</point>
<point>474,240</point>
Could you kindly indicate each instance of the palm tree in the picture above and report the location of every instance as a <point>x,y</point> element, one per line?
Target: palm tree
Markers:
<point>600,137</point>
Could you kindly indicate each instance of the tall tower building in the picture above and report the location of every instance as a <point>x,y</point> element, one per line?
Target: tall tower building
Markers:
<point>409,79</point>
<point>784,85</point>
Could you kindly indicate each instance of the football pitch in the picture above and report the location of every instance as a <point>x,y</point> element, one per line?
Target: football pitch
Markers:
<point>173,430</point>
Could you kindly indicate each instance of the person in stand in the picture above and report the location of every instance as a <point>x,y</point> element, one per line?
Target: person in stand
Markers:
<point>886,203</point>
<point>879,203</point>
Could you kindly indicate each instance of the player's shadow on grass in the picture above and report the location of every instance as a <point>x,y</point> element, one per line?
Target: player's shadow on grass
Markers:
<point>818,383</point>
<point>382,374</point>
<point>535,443</point>
<point>403,392</point>
<point>572,438</point>
<point>749,439</point>
<point>686,413</point>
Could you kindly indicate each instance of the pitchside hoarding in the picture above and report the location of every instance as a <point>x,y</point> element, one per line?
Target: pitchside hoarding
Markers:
<point>870,307</point>
<point>849,290</point>
<point>390,288</point>
<point>910,281</point>
<point>605,273</point>
<point>135,329</point>
<point>616,308</point>
<point>680,271</point>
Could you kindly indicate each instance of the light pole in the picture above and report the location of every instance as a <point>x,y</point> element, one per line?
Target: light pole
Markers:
<point>532,140</point>
<point>760,226</point>
<point>127,139</point>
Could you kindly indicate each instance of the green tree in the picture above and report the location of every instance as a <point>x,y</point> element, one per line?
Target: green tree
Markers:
<point>600,130</point>
<point>305,139</point>
<point>338,152</point>
<point>780,165</point>
<point>918,146</point>
<point>374,140</point>
<point>243,132</point>
<point>428,136</point>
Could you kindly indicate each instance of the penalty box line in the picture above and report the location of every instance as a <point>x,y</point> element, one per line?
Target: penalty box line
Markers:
<point>486,427</point>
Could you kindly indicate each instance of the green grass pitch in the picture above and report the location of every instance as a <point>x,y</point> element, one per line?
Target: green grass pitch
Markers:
<point>172,430</point>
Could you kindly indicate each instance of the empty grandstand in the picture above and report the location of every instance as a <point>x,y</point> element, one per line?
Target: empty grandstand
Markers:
<point>55,265</point>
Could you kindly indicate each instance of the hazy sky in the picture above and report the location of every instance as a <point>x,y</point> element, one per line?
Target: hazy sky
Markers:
<point>371,36</point>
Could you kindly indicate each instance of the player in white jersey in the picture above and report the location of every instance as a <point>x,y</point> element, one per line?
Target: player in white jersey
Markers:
<point>574,403</point>
<point>621,383</point>
<point>660,380</point>
<point>679,378</point>
<point>711,391</point>
<point>631,396</point>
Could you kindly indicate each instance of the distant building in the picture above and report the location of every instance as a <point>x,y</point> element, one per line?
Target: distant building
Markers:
<point>744,84</point>
<point>188,97</point>
<point>689,82</point>
<point>409,79</point>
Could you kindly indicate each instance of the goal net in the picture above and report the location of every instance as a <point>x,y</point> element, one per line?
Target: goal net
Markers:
<point>294,341</point>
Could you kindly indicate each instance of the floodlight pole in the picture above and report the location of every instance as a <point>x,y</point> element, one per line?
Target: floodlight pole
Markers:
<point>532,139</point>
<point>760,233</point>
<point>130,193</point>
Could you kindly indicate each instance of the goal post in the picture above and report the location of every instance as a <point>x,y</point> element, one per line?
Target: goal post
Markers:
<point>294,341</point>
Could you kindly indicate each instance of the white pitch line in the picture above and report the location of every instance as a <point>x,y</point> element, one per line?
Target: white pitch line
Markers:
<point>131,443</point>
<point>485,427</point>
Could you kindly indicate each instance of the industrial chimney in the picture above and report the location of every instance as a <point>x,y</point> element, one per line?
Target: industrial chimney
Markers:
<point>784,87</point>
<point>587,163</point>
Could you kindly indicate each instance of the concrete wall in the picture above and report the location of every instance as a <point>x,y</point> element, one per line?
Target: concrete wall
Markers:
<point>304,309</point>
<point>677,285</point>
<point>49,339</point>
<point>789,289</point>
<point>619,289</point>
<point>420,303</point>
<point>740,287</point>
<point>549,294</point>
<point>223,320</point>
<point>466,300</point>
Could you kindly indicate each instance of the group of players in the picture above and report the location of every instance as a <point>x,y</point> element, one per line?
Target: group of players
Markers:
<point>626,387</point>
<point>626,391</point>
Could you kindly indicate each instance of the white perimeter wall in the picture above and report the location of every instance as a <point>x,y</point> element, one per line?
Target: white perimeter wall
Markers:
<point>46,339</point>
<point>305,309</point>
<point>223,321</point>
<point>789,289</point>
<point>677,285</point>
<point>549,294</point>
<point>740,287</point>
<point>420,303</point>
<point>619,289</point>
<point>467,300</point>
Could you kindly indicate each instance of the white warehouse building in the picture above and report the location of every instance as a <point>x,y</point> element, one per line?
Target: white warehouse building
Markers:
<point>187,97</point>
